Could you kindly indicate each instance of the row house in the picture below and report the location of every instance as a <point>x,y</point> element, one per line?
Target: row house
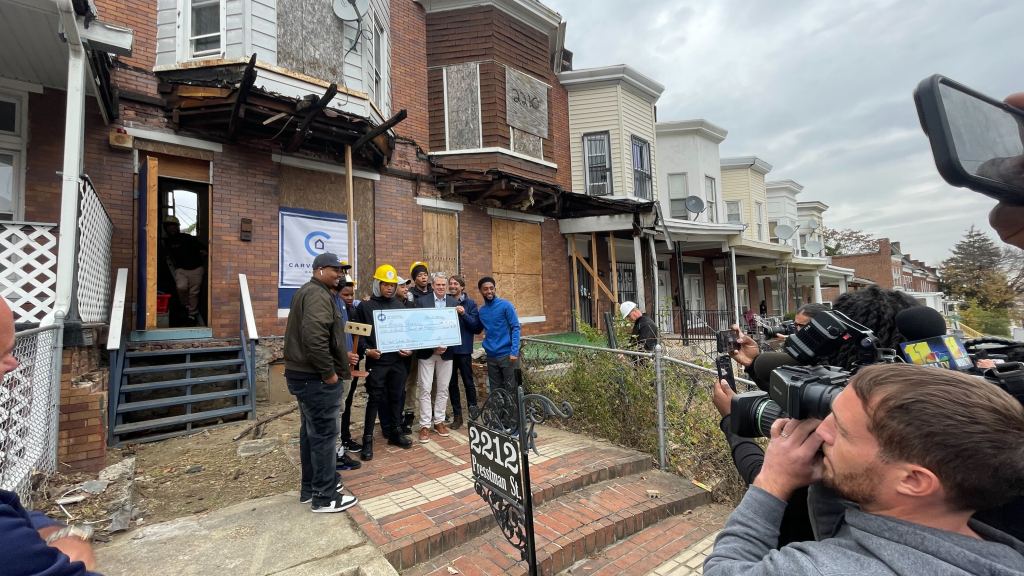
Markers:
<point>889,267</point>
<point>386,131</point>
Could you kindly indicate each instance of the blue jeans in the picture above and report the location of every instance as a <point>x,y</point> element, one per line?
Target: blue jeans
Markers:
<point>318,434</point>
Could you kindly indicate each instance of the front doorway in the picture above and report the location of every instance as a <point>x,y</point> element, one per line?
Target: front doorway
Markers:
<point>183,257</point>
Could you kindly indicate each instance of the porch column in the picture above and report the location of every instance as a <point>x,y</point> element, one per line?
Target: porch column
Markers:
<point>638,268</point>
<point>817,287</point>
<point>735,289</point>
<point>842,285</point>
<point>74,134</point>
<point>654,279</point>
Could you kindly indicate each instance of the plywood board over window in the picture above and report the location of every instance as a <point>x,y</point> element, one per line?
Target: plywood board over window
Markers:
<point>517,264</point>
<point>441,241</point>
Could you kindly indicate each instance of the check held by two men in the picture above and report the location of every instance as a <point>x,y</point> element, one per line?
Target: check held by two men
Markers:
<point>416,329</point>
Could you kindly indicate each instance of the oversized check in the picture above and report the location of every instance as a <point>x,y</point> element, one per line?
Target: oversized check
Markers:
<point>416,328</point>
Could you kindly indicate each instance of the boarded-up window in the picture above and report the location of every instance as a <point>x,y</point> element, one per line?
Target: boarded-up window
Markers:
<point>462,106</point>
<point>526,143</point>
<point>441,241</point>
<point>518,268</point>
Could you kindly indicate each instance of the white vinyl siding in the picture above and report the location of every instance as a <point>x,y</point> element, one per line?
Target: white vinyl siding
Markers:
<point>637,120</point>
<point>244,27</point>
<point>594,110</point>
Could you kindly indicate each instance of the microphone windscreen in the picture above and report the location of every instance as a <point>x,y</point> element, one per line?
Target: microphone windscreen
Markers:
<point>766,363</point>
<point>920,323</point>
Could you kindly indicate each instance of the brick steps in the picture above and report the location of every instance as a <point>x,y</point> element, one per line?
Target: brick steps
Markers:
<point>458,519</point>
<point>573,526</point>
<point>674,546</point>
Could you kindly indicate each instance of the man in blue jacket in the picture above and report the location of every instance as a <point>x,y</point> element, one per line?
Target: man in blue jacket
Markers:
<point>32,543</point>
<point>462,355</point>
<point>501,341</point>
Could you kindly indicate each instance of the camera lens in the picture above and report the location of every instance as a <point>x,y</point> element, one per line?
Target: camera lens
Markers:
<point>753,414</point>
<point>816,400</point>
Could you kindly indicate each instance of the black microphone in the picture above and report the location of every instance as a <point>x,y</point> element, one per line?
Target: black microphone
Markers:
<point>920,323</point>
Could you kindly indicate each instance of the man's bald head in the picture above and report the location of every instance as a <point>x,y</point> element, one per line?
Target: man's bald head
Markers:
<point>7,360</point>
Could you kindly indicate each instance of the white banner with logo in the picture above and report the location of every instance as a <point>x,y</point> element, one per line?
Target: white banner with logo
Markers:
<point>304,235</point>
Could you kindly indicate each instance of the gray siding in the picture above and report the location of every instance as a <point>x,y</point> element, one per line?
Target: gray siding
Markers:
<point>166,32</point>
<point>234,29</point>
<point>249,26</point>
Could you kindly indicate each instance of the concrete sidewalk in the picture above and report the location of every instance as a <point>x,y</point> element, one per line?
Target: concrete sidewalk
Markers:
<point>272,535</point>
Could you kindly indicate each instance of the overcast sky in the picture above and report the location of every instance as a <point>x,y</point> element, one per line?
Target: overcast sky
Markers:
<point>820,90</point>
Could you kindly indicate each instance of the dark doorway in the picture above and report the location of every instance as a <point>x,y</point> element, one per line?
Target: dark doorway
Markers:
<point>183,261</point>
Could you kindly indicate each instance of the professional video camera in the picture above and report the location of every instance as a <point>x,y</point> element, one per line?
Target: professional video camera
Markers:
<point>807,391</point>
<point>785,328</point>
<point>795,391</point>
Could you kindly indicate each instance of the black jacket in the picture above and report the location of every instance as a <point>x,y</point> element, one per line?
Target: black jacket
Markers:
<point>314,339</point>
<point>645,334</point>
<point>428,302</point>
<point>364,314</point>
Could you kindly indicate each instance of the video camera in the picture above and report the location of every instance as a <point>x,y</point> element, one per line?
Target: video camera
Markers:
<point>785,328</point>
<point>806,390</point>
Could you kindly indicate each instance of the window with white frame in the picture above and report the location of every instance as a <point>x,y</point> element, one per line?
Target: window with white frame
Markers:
<point>643,183</point>
<point>677,193</point>
<point>710,197</point>
<point>203,25</point>
<point>597,166</point>
<point>12,154</point>
<point>732,212</point>
<point>378,63</point>
<point>759,218</point>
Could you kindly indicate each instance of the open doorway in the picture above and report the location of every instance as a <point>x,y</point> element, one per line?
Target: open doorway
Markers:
<point>183,254</point>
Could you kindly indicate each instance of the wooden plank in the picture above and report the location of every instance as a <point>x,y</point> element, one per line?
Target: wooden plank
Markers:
<point>238,109</point>
<point>597,281</point>
<point>350,192</point>
<point>575,273</point>
<point>311,114</point>
<point>529,258</point>
<point>186,91</point>
<point>530,293</point>
<point>440,241</point>
<point>595,302</point>
<point>184,168</point>
<point>152,226</point>
<point>615,266</point>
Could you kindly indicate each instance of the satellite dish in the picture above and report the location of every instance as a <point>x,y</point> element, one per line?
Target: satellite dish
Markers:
<point>812,224</point>
<point>812,247</point>
<point>351,10</point>
<point>784,231</point>
<point>694,204</point>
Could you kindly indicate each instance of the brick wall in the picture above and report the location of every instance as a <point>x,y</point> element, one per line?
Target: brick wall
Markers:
<point>409,70</point>
<point>82,436</point>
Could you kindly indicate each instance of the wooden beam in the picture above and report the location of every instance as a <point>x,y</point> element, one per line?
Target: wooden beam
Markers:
<point>595,307</point>
<point>594,274</point>
<point>349,187</point>
<point>311,113</point>
<point>378,130</point>
<point>615,266</point>
<point>238,111</point>
<point>187,91</point>
<point>575,274</point>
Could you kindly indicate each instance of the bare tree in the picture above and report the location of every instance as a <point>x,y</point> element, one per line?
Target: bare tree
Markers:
<point>847,241</point>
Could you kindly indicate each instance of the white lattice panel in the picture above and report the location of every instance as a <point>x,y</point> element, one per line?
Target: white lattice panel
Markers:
<point>28,269</point>
<point>28,412</point>
<point>95,231</point>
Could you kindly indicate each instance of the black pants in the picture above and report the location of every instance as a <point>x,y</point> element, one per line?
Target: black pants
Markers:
<point>386,388</point>
<point>346,414</point>
<point>501,372</point>
<point>462,364</point>
<point>318,434</point>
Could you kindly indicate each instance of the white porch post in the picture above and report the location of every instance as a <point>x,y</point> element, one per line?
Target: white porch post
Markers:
<point>639,272</point>
<point>735,289</point>
<point>843,288</point>
<point>74,134</point>
<point>817,287</point>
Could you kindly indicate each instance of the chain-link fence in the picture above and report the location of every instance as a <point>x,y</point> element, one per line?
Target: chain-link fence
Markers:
<point>29,408</point>
<point>655,403</point>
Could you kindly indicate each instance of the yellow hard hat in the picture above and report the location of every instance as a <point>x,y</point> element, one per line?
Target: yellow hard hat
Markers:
<point>171,219</point>
<point>415,265</point>
<point>386,273</point>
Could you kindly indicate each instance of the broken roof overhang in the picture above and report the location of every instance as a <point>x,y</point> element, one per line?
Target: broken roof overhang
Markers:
<point>223,103</point>
<point>498,189</point>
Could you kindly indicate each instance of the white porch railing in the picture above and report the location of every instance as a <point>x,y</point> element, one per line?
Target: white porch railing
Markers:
<point>92,267</point>
<point>28,269</point>
<point>29,401</point>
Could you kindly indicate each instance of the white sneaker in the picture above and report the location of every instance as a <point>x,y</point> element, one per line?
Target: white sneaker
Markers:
<point>309,499</point>
<point>339,504</point>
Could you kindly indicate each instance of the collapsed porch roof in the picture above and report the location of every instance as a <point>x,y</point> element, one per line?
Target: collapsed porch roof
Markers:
<point>224,103</point>
<point>499,189</point>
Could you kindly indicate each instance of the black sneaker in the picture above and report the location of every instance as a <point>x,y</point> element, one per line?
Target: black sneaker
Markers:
<point>308,499</point>
<point>401,440</point>
<point>352,446</point>
<point>340,503</point>
<point>346,463</point>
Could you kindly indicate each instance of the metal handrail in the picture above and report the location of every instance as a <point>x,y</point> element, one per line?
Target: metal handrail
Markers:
<point>248,337</point>
<point>117,310</point>
<point>246,308</point>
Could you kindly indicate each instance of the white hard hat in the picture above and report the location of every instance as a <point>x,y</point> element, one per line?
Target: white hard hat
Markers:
<point>626,307</point>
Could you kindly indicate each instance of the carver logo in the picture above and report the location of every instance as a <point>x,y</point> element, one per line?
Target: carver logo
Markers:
<point>382,316</point>
<point>316,242</point>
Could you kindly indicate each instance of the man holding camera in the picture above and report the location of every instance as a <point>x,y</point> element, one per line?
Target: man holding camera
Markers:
<point>919,450</point>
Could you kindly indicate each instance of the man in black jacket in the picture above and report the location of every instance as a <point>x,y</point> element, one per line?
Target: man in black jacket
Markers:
<point>317,369</point>
<point>645,331</point>
<point>385,384</point>
<point>434,362</point>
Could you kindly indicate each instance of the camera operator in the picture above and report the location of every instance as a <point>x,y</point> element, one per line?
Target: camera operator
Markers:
<point>919,450</point>
<point>803,318</point>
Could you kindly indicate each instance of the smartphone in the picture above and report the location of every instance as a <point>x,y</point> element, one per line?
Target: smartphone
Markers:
<point>726,341</point>
<point>724,366</point>
<point>977,141</point>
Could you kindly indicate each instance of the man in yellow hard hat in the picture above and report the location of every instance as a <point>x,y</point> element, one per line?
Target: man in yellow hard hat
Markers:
<point>420,276</point>
<point>385,384</point>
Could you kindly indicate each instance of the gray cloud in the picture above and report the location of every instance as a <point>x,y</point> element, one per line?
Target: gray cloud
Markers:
<point>822,90</point>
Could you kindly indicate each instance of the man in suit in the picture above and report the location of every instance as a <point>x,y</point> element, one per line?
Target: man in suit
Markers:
<point>434,365</point>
